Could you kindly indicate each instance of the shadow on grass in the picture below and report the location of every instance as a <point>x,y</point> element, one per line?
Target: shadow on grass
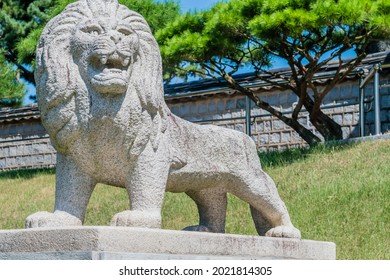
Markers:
<point>26,173</point>
<point>285,157</point>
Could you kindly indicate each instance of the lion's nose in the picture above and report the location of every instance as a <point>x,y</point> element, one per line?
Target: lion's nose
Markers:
<point>115,36</point>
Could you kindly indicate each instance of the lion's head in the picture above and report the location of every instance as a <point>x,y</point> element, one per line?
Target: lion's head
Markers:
<point>96,49</point>
<point>105,48</point>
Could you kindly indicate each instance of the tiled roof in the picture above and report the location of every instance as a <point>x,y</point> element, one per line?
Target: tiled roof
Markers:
<point>17,114</point>
<point>178,90</point>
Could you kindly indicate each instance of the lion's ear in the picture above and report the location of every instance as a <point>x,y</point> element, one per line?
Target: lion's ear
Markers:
<point>56,74</point>
<point>57,77</point>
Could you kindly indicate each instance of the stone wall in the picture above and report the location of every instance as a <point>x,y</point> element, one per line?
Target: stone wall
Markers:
<point>25,154</point>
<point>269,133</point>
<point>24,142</point>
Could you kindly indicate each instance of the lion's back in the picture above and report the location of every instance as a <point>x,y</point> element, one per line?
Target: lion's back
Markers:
<point>214,154</point>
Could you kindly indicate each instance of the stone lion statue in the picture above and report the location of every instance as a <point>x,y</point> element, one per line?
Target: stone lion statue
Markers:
<point>101,97</point>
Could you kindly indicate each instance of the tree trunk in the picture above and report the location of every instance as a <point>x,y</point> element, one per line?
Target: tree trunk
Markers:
<point>306,134</point>
<point>328,128</point>
<point>309,137</point>
<point>25,73</point>
<point>325,125</point>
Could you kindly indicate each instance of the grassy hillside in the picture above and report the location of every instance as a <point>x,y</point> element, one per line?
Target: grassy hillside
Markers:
<point>339,194</point>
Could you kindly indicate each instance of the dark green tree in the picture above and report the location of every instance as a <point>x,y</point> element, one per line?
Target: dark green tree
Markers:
<point>17,19</point>
<point>305,34</point>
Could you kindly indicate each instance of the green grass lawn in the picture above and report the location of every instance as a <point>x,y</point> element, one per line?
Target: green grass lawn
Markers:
<point>339,194</point>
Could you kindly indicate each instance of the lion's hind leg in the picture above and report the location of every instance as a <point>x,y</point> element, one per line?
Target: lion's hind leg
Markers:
<point>269,212</point>
<point>211,205</point>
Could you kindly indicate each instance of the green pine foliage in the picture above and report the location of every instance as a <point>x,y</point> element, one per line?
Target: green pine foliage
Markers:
<point>302,32</point>
<point>17,19</point>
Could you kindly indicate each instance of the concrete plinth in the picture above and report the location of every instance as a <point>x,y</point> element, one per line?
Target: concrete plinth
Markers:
<point>116,243</point>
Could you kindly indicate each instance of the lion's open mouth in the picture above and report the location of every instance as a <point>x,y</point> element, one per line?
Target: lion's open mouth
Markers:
<point>111,67</point>
<point>109,73</point>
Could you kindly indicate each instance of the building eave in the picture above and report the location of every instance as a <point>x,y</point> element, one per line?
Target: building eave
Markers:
<point>208,87</point>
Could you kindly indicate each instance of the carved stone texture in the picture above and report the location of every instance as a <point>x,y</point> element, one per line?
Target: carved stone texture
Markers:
<point>100,93</point>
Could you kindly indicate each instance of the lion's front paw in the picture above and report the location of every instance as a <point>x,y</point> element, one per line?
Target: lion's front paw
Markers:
<point>284,231</point>
<point>130,218</point>
<point>56,219</point>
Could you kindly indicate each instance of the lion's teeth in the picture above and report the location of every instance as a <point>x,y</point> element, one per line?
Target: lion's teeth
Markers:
<point>126,62</point>
<point>103,60</point>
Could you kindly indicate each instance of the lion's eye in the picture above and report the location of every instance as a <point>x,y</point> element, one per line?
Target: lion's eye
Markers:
<point>93,30</point>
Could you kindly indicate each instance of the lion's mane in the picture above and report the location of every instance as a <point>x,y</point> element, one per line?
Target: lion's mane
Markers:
<point>64,99</point>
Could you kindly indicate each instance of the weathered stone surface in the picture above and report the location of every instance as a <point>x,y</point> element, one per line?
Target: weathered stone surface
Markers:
<point>138,243</point>
<point>100,93</point>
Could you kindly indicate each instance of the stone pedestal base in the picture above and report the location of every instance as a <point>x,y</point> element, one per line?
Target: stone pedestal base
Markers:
<point>120,243</point>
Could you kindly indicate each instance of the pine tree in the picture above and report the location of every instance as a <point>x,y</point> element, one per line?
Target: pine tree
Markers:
<point>305,34</point>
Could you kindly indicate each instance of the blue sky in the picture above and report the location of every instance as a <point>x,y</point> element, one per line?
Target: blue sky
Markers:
<point>187,5</point>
